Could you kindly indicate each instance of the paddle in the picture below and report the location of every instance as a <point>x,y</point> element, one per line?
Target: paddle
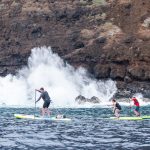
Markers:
<point>130,106</point>
<point>110,107</point>
<point>35,104</point>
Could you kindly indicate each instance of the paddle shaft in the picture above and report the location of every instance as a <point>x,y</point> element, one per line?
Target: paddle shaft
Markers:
<point>112,108</point>
<point>35,104</point>
<point>130,106</point>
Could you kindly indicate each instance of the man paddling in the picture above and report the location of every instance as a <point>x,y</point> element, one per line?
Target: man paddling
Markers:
<point>137,106</point>
<point>116,108</point>
<point>45,96</point>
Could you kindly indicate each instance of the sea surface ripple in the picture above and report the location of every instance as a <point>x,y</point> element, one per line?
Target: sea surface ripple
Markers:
<point>88,130</point>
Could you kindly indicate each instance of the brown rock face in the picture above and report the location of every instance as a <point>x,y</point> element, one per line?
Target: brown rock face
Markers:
<point>110,38</point>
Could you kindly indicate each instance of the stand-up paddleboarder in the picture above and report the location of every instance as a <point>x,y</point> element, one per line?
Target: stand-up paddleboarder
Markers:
<point>137,106</point>
<point>46,98</point>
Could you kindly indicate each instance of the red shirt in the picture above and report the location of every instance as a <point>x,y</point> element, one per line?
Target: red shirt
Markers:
<point>136,103</point>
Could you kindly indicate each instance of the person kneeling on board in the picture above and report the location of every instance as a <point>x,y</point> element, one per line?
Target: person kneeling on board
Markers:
<point>46,98</point>
<point>137,106</point>
<point>116,108</point>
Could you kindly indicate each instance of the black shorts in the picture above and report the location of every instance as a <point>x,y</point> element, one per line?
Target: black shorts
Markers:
<point>46,104</point>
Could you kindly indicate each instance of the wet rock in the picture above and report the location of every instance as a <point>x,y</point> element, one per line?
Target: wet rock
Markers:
<point>82,100</point>
<point>95,99</point>
<point>3,104</point>
<point>3,71</point>
<point>123,93</point>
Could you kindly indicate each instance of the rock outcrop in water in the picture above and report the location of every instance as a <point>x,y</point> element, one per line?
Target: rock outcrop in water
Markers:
<point>110,38</point>
<point>82,100</point>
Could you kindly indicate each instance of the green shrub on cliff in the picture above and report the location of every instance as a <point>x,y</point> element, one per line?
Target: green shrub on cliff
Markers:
<point>93,2</point>
<point>83,2</point>
<point>99,2</point>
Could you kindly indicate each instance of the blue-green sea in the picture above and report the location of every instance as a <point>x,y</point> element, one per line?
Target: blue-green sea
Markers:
<point>90,129</point>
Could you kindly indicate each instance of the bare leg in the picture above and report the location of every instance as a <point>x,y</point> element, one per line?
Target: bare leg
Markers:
<point>136,113</point>
<point>47,111</point>
<point>117,113</point>
<point>43,112</point>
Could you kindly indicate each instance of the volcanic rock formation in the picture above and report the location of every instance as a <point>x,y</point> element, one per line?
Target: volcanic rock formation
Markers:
<point>110,38</point>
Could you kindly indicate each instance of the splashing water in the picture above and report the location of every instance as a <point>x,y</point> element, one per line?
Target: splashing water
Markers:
<point>62,81</point>
<point>140,98</point>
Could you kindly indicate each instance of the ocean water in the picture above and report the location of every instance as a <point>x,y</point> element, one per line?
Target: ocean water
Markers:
<point>89,129</point>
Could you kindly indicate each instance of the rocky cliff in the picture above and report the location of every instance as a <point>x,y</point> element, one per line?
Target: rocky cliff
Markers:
<point>110,38</point>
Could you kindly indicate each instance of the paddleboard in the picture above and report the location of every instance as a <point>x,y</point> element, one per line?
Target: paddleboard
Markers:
<point>127,118</point>
<point>145,117</point>
<point>131,118</point>
<point>23,116</point>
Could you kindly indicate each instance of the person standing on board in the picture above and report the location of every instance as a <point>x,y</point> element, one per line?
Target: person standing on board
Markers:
<point>116,108</point>
<point>46,98</point>
<point>137,106</point>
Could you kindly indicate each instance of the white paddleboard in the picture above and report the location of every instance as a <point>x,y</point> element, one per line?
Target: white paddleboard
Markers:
<point>23,116</point>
